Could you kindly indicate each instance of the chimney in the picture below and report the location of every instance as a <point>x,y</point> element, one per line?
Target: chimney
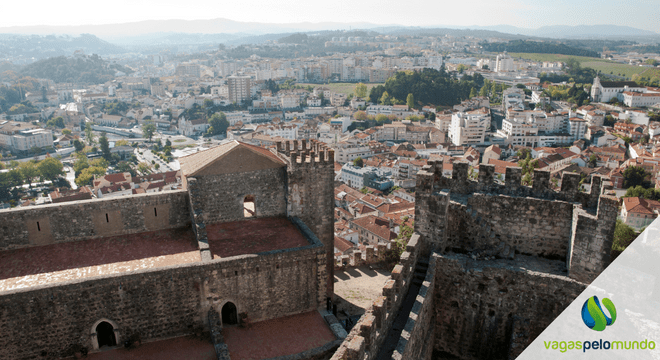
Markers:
<point>391,223</point>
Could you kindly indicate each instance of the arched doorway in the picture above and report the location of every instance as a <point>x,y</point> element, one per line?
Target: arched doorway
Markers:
<point>105,334</point>
<point>229,314</point>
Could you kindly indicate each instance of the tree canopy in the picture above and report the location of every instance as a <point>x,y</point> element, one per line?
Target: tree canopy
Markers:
<point>634,176</point>
<point>219,124</point>
<point>148,129</point>
<point>427,87</point>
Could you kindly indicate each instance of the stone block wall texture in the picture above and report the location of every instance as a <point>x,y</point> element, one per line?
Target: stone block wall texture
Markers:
<point>502,225</point>
<point>591,241</point>
<point>158,303</point>
<point>417,337</point>
<point>478,304</point>
<point>310,193</point>
<point>220,197</point>
<point>485,218</point>
<point>88,219</point>
<point>430,179</point>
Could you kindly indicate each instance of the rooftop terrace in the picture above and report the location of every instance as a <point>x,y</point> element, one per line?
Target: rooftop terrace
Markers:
<point>27,267</point>
<point>253,236</point>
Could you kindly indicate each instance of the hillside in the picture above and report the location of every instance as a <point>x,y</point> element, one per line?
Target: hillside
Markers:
<point>81,69</point>
<point>41,47</point>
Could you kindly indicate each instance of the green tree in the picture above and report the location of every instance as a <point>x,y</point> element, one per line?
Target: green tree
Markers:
<point>528,165</point>
<point>593,159</point>
<point>361,90</point>
<point>360,115</point>
<point>640,191</point>
<point>462,68</point>
<point>410,101</point>
<point>381,119</point>
<point>358,162</point>
<point>219,124</point>
<point>148,130</point>
<point>78,145</point>
<point>634,176</point>
<point>105,146</point>
<point>473,93</point>
<point>89,134</point>
<point>56,122</point>
<point>50,169</point>
<point>483,91</point>
<point>29,171</point>
<point>66,132</point>
<point>385,98</point>
<point>88,174</point>
<point>144,168</point>
<point>624,235</point>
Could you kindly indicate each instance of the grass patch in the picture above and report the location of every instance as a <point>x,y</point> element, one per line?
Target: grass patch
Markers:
<point>341,88</point>
<point>179,140</point>
<point>602,65</point>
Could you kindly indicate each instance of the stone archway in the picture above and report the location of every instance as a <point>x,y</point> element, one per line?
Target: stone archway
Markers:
<point>229,314</point>
<point>105,333</point>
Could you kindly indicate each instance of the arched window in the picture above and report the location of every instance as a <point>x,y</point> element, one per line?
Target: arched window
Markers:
<point>229,314</point>
<point>249,209</point>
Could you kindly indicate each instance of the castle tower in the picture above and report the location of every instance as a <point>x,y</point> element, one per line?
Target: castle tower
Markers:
<point>310,193</point>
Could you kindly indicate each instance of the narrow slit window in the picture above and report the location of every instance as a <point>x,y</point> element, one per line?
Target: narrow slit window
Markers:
<point>107,219</point>
<point>155,212</point>
<point>38,226</point>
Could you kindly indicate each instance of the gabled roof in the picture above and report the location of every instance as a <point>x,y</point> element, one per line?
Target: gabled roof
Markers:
<point>640,205</point>
<point>246,159</point>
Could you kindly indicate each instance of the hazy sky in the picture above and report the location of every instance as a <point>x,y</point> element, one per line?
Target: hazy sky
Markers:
<point>643,14</point>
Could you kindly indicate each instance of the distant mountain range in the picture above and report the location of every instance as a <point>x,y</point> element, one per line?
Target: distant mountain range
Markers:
<point>150,36</point>
<point>224,30</point>
<point>575,32</point>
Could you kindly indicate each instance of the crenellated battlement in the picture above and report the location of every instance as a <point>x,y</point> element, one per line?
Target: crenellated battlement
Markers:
<point>431,179</point>
<point>305,153</point>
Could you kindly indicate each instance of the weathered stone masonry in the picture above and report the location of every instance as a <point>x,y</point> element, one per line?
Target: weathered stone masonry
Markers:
<point>89,219</point>
<point>176,300</point>
<point>507,259</point>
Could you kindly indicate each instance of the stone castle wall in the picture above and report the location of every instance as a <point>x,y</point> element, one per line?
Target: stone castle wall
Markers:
<point>159,303</point>
<point>478,305</point>
<point>503,225</point>
<point>221,196</point>
<point>310,193</point>
<point>488,219</point>
<point>89,219</point>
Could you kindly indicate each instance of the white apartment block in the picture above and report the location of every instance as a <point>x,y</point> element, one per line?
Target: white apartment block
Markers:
<point>23,137</point>
<point>469,128</point>
<point>346,153</point>
<point>504,63</point>
<point>289,101</point>
<point>577,128</point>
<point>519,132</point>
<point>239,88</point>
<point>639,99</point>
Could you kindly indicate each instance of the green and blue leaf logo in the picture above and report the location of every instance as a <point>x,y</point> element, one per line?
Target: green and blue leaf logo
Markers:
<point>594,316</point>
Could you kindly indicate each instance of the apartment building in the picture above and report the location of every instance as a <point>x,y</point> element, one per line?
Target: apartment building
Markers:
<point>469,128</point>
<point>22,137</point>
<point>239,88</point>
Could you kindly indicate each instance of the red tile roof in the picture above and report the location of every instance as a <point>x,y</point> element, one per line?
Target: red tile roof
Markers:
<point>376,225</point>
